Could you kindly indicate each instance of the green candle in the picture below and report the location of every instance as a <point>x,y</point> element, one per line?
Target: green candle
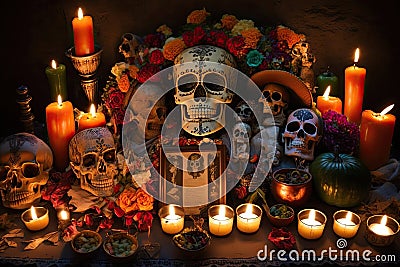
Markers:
<point>56,76</point>
<point>325,79</point>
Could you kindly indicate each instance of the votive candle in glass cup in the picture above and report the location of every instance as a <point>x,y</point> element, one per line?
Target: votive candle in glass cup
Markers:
<point>346,223</point>
<point>220,219</point>
<point>35,218</point>
<point>172,218</point>
<point>381,230</point>
<point>248,218</point>
<point>311,223</point>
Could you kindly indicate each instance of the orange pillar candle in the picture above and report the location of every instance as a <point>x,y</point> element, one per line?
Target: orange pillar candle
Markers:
<point>60,129</point>
<point>376,133</point>
<point>82,27</point>
<point>326,102</point>
<point>91,119</point>
<point>354,90</point>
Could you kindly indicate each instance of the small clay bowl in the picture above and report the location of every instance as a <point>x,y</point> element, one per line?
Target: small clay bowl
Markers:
<point>86,241</point>
<point>278,221</point>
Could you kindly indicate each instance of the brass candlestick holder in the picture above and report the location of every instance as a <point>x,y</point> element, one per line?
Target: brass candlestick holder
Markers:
<point>87,66</point>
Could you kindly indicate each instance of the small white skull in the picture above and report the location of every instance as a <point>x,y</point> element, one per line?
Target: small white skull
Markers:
<point>25,162</point>
<point>275,100</point>
<point>302,133</point>
<point>130,47</point>
<point>202,87</point>
<point>92,153</point>
<point>241,141</point>
<point>244,112</point>
<point>195,165</point>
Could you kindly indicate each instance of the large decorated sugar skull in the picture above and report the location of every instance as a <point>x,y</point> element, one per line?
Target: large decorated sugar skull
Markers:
<point>25,162</point>
<point>302,133</point>
<point>92,153</point>
<point>275,100</point>
<point>203,75</point>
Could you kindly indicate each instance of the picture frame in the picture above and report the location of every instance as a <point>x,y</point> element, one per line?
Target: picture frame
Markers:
<point>210,178</point>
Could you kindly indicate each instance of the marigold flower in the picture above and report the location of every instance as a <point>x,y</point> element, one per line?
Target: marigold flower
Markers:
<point>173,48</point>
<point>284,33</point>
<point>197,16</point>
<point>251,37</point>
<point>164,29</point>
<point>133,71</point>
<point>243,24</point>
<point>123,83</point>
<point>229,21</point>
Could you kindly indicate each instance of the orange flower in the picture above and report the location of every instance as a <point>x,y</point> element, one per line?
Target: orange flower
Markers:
<point>173,48</point>
<point>197,16</point>
<point>229,21</point>
<point>144,200</point>
<point>133,70</point>
<point>123,83</point>
<point>284,33</point>
<point>164,29</point>
<point>251,37</point>
<point>127,200</point>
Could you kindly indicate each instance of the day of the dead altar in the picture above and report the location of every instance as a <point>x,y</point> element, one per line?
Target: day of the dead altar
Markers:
<point>194,138</point>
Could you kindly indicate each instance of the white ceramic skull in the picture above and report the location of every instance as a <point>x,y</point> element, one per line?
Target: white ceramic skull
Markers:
<point>92,153</point>
<point>195,165</point>
<point>241,141</point>
<point>130,46</point>
<point>202,76</point>
<point>302,133</point>
<point>275,100</point>
<point>25,162</point>
<point>144,102</point>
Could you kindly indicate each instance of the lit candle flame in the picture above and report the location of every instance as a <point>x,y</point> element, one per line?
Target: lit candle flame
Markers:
<point>59,100</point>
<point>384,220</point>
<point>33,213</point>
<point>221,211</point>
<point>53,64</point>
<point>327,91</point>
<point>356,55</point>
<point>348,216</point>
<point>63,215</point>
<point>386,110</point>
<point>249,210</point>
<point>93,111</point>
<point>171,210</point>
<point>80,13</point>
<point>311,216</point>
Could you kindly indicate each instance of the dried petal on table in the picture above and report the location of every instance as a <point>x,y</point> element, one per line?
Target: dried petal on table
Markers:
<point>282,238</point>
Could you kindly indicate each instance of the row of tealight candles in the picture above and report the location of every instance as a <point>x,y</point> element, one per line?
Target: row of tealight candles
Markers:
<point>381,229</point>
<point>37,218</point>
<point>376,129</point>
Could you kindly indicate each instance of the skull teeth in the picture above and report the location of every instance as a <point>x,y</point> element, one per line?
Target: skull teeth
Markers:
<point>201,112</point>
<point>100,184</point>
<point>19,196</point>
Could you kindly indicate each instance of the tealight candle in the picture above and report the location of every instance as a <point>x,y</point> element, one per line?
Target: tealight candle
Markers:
<point>220,219</point>
<point>326,102</point>
<point>248,218</point>
<point>311,223</point>
<point>172,218</point>
<point>92,119</point>
<point>35,218</point>
<point>381,230</point>
<point>63,216</point>
<point>346,223</point>
<point>376,133</point>
<point>354,90</point>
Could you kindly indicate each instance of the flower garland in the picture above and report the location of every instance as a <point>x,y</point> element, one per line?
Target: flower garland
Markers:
<point>254,48</point>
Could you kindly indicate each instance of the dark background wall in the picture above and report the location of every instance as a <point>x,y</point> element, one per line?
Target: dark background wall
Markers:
<point>34,32</point>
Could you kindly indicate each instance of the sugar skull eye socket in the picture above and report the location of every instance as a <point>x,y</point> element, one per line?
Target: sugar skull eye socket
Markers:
<point>293,126</point>
<point>187,83</point>
<point>89,160</point>
<point>30,169</point>
<point>310,128</point>
<point>109,156</point>
<point>276,96</point>
<point>214,82</point>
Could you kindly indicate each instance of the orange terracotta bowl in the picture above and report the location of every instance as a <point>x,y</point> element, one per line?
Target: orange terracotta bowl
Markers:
<point>290,191</point>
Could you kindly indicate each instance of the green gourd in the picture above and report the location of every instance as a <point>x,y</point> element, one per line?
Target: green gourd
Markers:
<point>340,180</point>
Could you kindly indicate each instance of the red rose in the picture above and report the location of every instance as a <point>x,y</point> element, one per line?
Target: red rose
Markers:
<point>146,72</point>
<point>118,116</point>
<point>115,99</point>
<point>217,38</point>
<point>192,38</point>
<point>236,46</point>
<point>241,192</point>
<point>154,40</point>
<point>156,57</point>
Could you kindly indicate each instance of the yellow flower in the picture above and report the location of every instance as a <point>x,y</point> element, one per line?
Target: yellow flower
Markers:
<point>197,16</point>
<point>164,29</point>
<point>284,33</point>
<point>229,21</point>
<point>251,37</point>
<point>243,24</point>
<point>173,48</point>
